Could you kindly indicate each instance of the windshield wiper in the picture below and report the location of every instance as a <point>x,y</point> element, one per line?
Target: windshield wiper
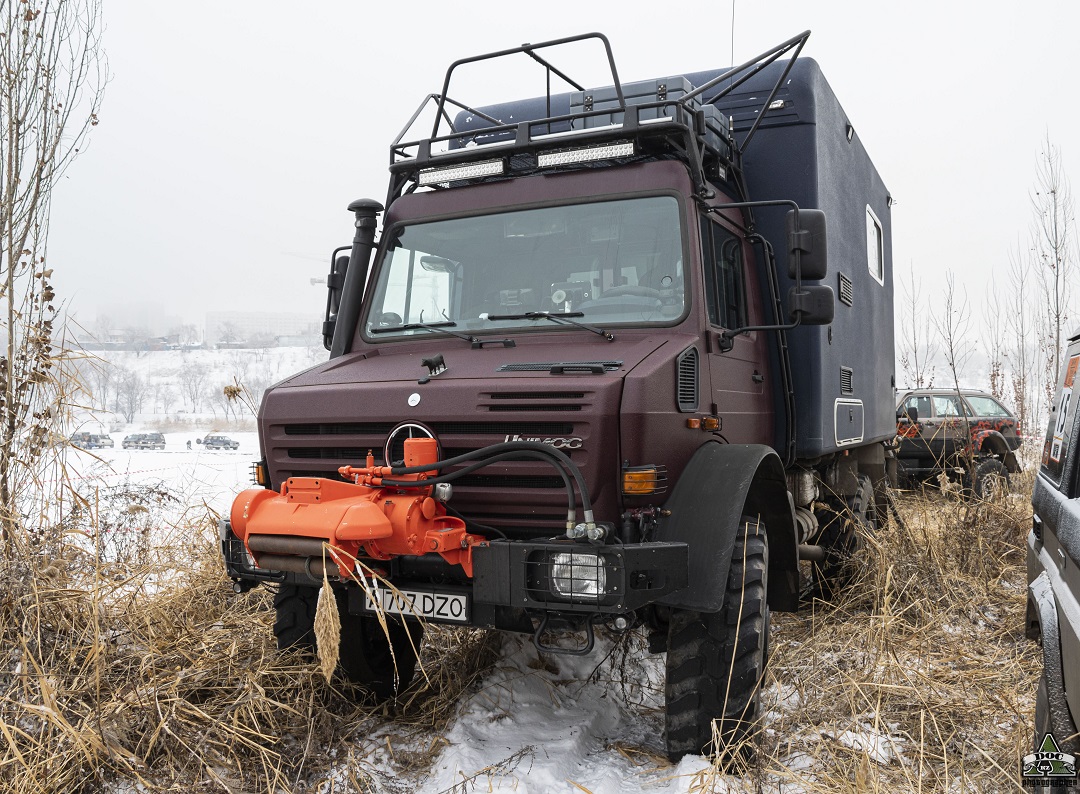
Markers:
<point>441,327</point>
<point>556,317</point>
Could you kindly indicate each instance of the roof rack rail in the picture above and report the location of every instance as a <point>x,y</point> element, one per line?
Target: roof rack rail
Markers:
<point>568,130</point>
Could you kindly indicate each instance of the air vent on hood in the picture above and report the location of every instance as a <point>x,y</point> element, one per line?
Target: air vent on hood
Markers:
<point>686,388</point>
<point>846,383</point>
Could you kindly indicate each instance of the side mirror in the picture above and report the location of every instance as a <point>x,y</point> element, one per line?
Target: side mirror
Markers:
<point>335,283</point>
<point>336,280</point>
<point>809,240</point>
<point>812,305</point>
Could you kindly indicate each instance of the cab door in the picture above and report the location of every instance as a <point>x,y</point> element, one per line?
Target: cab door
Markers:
<point>741,392</point>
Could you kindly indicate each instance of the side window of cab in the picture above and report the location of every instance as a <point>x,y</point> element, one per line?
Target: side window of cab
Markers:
<point>725,284</point>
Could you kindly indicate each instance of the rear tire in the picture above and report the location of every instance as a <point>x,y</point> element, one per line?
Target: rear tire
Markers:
<point>716,660</point>
<point>365,651</point>
<point>841,535</point>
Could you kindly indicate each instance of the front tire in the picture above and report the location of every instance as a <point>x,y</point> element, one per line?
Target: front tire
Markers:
<point>716,660</point>
<point>382,662</point>
<point>989,479</point>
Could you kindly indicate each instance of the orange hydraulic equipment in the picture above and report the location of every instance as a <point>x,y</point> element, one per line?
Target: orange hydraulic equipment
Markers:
<point>315,522</point>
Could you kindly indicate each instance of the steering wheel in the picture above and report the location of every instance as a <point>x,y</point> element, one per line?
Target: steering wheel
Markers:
<point>631,289</point>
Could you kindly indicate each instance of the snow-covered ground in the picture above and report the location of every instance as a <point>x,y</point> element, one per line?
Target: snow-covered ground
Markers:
<point>197,477</point>
<point>563,723</point>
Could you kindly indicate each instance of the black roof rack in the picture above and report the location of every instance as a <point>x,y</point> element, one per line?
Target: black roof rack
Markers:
<point>479,145</point>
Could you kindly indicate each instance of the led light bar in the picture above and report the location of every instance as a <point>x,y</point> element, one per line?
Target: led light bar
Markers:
<point>586,154</point>
<point>432,176</point>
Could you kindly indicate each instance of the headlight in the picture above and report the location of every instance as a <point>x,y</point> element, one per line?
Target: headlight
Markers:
<point>575,575</point>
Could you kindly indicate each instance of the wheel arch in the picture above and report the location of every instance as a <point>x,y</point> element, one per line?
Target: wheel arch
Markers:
<point>991,442</point>
<point>720,484</point>
<point>1042,623</point>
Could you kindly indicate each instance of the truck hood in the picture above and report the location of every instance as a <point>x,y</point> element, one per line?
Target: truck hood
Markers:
<point>558,389</point>
<point>404,361</point>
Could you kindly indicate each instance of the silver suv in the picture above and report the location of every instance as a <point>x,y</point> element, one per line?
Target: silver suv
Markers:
<point>962,432</point>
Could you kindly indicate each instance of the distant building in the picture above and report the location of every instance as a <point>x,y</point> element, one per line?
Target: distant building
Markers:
<point>262,329</point>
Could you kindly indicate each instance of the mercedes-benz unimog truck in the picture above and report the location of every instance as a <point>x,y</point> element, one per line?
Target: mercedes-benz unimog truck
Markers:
<point>619,356</point>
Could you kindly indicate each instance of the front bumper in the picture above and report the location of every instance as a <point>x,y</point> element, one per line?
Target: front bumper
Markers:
<point>551,576</point>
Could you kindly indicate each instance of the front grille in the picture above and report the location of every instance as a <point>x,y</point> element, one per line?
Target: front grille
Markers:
<point>340,429</point>
<point>508,481</point>
<point>510,408</point>
<point>381,429</point>
<point>329,453</point>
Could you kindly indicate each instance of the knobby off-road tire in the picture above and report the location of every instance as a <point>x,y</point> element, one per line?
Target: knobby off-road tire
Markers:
<point>989,475</point>
<point>841,536</point>
<point>715,660</point>
<point>365,649</point>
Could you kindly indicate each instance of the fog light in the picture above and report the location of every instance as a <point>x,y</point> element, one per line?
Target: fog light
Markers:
<point>578,575</point>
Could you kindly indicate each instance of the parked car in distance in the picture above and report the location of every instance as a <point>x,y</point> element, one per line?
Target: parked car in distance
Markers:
<point>144,441</point>
<point>963,432</point>
<point>1053,557</point>
<point>85,440</point>
<point>217,441</point>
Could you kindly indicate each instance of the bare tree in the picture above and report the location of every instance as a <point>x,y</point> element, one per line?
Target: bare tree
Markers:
<point>52,74</point>
<point>164,396</point>
<point>1021,352</point>
<point>229,333</point>
<point>1053,251</point>
<point>953,324</point>
<point>994,334</point>
<point>130,393</point>
<point>192,383</point>
<point>918,347</point>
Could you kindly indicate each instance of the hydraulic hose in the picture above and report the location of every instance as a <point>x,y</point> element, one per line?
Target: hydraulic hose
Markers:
<point>523,454</point>
<point>560,460</point>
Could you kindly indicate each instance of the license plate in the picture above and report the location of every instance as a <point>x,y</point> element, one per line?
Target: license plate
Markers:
<point>452,607</point>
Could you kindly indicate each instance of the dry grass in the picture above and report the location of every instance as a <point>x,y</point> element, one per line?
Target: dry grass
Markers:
<point>919,679</point>
<point>152,672</point>
<point>160,676</point>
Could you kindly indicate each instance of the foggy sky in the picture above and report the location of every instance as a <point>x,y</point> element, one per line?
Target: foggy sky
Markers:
<point>234,135</point>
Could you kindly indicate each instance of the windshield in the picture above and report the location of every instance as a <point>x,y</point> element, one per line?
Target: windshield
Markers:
<point>615,262</point>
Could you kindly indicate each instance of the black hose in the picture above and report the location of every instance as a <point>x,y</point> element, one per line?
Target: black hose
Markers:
<point>520,454</point>
<point>521,446</point>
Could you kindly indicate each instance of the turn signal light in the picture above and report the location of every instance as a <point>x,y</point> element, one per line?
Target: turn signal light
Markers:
<point>644,480</point>
<point>710,423</point>
<point>259,475</point>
